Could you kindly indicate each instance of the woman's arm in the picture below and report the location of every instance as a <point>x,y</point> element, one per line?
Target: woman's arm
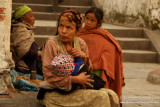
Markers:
<point>83,53</point>
<point>82,79</point>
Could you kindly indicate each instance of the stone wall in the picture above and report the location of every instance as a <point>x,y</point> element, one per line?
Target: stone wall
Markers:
<point>5,23</point>
<point>143,13</point>
<point>5,55</point>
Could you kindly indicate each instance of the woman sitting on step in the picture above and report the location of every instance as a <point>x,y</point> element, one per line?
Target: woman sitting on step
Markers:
<point>23,46</point>
<point>66,41</point>
<point>104,51</point>
<point>24,49</point>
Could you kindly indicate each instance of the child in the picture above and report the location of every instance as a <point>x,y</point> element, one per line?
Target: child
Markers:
<point>104,51</point>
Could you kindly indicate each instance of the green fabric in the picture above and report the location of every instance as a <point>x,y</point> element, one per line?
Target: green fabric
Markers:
<point>21,11</point>
<point>97,72</point>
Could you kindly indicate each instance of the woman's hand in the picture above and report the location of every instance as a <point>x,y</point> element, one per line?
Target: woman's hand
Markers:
<point>77,53</point>
<point>84,79</point>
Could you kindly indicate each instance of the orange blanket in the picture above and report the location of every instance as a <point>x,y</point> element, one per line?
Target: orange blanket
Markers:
<point>105,53</point>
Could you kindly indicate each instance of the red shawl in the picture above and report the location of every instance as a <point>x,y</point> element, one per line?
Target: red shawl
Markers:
<point>105,53</point>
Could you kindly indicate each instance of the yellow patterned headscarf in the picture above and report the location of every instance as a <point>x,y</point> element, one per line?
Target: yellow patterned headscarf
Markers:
<point>21,11</point>
<point>72,16</point>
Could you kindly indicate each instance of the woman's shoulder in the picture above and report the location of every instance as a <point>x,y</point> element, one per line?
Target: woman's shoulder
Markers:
<point>52,39</point>
<point>82,43</point>
<point>80,40</point>
<point>19,27</point>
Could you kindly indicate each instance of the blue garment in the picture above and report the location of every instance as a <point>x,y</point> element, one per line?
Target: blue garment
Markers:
<point>23,84</point>
<point>78,61</point>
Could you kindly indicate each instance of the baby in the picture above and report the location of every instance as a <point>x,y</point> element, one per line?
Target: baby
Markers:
<point>62,65</point>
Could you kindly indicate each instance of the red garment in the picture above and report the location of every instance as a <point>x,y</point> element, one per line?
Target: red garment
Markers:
<point>105,53</point>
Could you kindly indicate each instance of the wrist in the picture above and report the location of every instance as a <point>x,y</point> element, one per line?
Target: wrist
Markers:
<point>74,79</point>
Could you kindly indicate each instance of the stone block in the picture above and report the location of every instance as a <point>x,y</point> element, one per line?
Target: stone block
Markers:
<point>154,77</point>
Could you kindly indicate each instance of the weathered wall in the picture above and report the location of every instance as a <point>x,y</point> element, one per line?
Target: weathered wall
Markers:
<point>144,13</point>
<point>5,23</point>
<point>5,55</point>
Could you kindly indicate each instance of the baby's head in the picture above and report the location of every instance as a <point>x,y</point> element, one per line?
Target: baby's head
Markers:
<point>93,18</point>
<point>62,64</point>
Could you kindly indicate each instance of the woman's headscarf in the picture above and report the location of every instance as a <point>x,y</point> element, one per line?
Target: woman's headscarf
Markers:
<point>72,16</point>
<point>21,11</point>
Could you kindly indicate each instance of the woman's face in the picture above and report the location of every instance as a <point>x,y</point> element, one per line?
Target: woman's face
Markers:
<point>29,18</point>
<point>91,21</point>
<point>66,30</point>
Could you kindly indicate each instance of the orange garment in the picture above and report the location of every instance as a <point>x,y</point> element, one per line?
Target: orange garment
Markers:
<point>105,53</point>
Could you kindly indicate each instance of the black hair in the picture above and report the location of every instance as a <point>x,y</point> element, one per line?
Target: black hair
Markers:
<point>97,12</point>
<point>77,18</point>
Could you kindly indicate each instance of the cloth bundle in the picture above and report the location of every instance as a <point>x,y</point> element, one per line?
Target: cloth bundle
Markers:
<point>62,64</point>
<point>23,84</point>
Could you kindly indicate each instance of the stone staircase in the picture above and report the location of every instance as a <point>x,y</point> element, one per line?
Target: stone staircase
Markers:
<point>135,45</point>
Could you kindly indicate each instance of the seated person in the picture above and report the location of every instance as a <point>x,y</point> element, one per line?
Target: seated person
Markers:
<point>66,41</point>
<point>23,47</point>
<point>104,51</point>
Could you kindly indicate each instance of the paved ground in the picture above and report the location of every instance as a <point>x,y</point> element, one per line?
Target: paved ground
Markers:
<point>137,93</point>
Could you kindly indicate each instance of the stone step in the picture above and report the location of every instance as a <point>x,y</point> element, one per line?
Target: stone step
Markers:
<point>81,9</point>
<point>33,1</point>
<point>76,2</point>
<point>133,33</point>
<point>141,56</point>
<point>46,16</point>
<point>50,29</point>
<point>125,43</point>
<point>45,30</point>
<point>118,32</point>
<point>48,8</point>
<point>41,39</point>
<point>134,43</point>
<point>35,7</point>
<point>49,16</point>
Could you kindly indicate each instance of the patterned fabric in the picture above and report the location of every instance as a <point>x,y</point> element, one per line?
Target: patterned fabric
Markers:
<point>62,64</point>
<point>73,17</point>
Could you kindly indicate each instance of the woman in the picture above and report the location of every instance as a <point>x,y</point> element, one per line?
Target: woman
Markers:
<point>24,49</point>
<point>104,51</point>
<point>66,42</point>
<point>23,46</point>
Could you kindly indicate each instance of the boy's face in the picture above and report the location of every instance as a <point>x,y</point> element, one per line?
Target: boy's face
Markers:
<point>91,21</point>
